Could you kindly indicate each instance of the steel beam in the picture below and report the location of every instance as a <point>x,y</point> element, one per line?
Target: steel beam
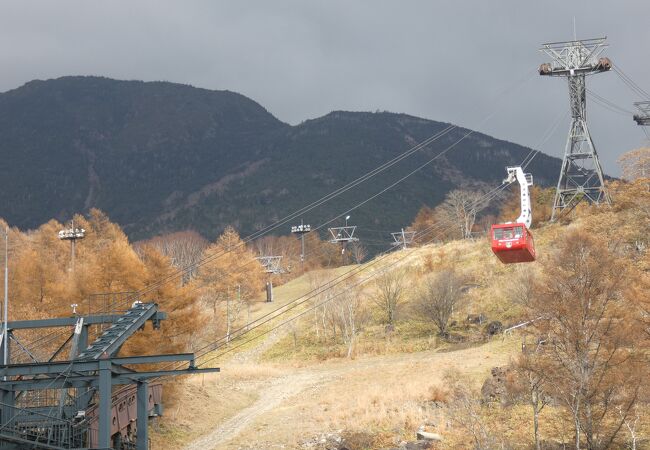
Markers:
<point>60,322</point>
<point>104,419</point>
<point>58,367</point>
<point>143,416</point>
<point>81,381</point>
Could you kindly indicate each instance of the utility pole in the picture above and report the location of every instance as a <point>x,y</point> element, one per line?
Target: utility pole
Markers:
<point>301,230</point>
<point>581,176</point>
<point>72,234</point>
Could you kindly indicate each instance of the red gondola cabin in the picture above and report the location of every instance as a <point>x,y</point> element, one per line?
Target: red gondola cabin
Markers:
<point>512,243</point>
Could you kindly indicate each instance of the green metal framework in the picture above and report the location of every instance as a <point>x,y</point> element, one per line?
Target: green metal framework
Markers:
<point>43,402</point>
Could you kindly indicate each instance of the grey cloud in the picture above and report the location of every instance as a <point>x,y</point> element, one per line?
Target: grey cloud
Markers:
<point>447,60</point>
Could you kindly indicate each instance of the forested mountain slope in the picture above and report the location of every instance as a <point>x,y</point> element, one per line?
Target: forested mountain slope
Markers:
<point>159,157</point>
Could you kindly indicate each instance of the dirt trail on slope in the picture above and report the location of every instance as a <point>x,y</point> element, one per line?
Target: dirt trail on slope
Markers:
<point>273,394</point>
<point>276,412</point>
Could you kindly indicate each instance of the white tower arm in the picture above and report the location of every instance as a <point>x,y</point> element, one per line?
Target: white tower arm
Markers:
<point>525,180</point>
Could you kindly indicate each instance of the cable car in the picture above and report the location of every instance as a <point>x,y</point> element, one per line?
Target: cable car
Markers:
<point>512,242</point>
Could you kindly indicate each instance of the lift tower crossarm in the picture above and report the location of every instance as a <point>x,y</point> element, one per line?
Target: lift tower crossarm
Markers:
<point>525,180</point>
<point>643,118</point>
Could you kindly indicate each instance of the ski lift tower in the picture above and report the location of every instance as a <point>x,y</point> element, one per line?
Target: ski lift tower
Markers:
<point>301,230</point>
<point>643,118</point>
<point>581,176</point>
<point>271,265</point>
<point>403,238</point>
<point>72,234</point>
<point>343,235</point>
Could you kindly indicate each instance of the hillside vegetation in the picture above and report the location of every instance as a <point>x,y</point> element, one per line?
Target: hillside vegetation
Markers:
<point>414,338</point>
<point>375,378</point>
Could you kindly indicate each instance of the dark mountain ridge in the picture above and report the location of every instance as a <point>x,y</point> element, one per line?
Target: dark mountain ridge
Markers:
<point>159,156</point>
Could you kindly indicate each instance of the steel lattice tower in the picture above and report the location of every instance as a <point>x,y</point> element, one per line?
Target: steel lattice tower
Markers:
<point>581,176</point>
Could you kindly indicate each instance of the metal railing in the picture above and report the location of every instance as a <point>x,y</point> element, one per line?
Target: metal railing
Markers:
<point>38,428</point>
<point>109,303</point>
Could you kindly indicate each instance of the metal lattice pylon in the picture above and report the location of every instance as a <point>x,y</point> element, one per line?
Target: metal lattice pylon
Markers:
<point>403,238</point>
<point>343,234</point>
<point>271,264</point>
<point>581,176</point>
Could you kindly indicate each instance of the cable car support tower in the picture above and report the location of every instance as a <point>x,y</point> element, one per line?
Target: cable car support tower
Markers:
<point>581,176</point>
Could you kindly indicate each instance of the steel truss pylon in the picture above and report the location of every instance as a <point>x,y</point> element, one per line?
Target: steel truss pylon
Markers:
<point>581,176</point>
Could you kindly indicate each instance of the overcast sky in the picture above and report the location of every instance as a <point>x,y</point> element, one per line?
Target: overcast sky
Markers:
<point>472,63</point>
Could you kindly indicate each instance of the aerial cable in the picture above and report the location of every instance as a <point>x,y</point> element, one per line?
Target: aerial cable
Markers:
<point>312,308</point>
<point>305,209</point>
<point>484,200</point>
<point>629,82</point>
<point>339,191</point>
<point>336,193</point>
<point>306,297</point>
<point>332,283</point>
<point>596,96</point>
<point>550,131</point>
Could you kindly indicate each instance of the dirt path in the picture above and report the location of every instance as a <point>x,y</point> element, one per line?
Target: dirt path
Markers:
<point>274,393</point>
<point>282,398</point>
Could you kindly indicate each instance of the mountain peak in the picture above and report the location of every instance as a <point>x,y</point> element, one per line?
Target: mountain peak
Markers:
<point>160,156</point>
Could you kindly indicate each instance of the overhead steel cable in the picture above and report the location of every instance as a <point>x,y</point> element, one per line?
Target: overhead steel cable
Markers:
<point>302,299</point>
<point>296,214</point>
<point>334,194</point>
<point>596,96</point>
<point>545,137</point>
<point>312,308</point>
<point>444,225</point>
<point>333,282</point>
<point>442,153</point>
<point>339,191</point>
<point>630,83</point>
<point>483,201</point>
<point>606,104</point>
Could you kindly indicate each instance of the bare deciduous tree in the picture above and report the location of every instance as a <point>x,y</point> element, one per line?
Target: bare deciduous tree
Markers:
<point>323,317</point>
<point>391,293</point>
<point>636,163</point>
<point>358,252</point>
<point>183,248</point>
<point>532,379</point>
<point>464,411</point>
<point>460,207</point>
<point>439,296</point>
<point>592,338</point>
<point>352,314</point>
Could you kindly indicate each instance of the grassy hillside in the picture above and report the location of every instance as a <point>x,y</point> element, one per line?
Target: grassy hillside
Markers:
<point>400,379</point>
